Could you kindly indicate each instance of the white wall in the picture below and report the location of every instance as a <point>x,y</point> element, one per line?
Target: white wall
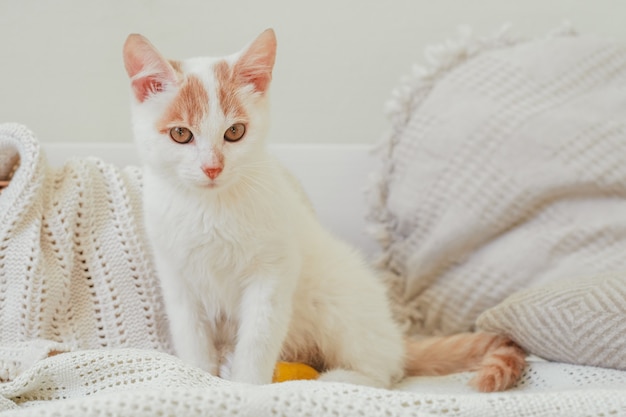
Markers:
<point>61,70</point>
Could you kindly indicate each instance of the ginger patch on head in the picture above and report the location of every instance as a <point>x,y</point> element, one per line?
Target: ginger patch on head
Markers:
<point>189,108</point>
<point>227,87</point>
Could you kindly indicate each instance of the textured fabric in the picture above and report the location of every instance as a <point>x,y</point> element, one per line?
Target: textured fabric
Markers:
<point>506,169</point>
<point>74,272</point>
<point>141,383</point>
<point>581,321</point>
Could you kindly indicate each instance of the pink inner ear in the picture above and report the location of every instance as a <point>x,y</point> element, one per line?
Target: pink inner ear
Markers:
<point>148,70</point>
<point>146,86</point>
<point>257,62</point>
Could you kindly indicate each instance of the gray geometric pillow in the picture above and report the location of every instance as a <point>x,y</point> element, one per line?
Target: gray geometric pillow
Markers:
<point>581,322</point>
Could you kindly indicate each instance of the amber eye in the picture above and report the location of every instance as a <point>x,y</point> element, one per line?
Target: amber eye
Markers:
<point>181,135</point>
<point>235,132</point>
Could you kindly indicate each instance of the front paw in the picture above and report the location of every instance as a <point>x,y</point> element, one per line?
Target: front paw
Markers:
<point>226,366</point>
<point>250,375</point>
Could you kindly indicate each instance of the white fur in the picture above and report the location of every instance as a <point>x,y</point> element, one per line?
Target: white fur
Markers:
<point>248,274</point>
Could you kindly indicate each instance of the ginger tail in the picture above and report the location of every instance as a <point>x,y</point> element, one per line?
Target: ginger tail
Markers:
<point>499,362</point>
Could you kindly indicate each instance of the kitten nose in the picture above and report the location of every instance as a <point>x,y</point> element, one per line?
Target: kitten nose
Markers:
<point>212,171</point>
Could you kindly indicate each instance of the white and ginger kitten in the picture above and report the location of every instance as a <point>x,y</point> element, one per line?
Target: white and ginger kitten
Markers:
<point>249,276</point>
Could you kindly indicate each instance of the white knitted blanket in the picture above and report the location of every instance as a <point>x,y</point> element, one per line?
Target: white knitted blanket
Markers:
<point>74,272</point>
<point>75,278</point>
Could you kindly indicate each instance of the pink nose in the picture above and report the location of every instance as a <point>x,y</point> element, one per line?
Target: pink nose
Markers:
<point>212,171</point>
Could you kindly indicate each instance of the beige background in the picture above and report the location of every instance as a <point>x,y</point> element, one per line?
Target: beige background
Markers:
<point>62,73</point>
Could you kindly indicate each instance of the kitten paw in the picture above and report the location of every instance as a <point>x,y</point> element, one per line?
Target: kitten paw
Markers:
<point>250,374</point>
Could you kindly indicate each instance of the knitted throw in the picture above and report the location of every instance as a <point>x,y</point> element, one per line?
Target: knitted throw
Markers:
<point>74,270</point>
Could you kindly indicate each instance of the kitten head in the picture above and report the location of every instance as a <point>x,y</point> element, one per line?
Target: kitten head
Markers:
<point>200,122</point>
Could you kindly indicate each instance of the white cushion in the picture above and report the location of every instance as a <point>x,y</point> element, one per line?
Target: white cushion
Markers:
<point>505,169</point>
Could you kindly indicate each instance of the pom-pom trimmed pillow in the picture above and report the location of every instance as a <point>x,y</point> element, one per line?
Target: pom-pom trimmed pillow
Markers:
<point>505,169</point>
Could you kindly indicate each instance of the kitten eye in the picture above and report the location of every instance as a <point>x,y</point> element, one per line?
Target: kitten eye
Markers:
<point>181,135</point>
<point>235,132</point>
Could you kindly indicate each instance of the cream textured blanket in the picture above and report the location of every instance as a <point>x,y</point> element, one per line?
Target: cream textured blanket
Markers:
<point>76,279</point>
<point>74,270</point>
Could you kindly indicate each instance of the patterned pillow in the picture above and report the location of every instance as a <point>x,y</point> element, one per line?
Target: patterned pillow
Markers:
<point>505,170</point>
<point>581,321</point>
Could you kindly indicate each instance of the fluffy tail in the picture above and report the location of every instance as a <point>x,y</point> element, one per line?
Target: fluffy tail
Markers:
<point>498,360</point>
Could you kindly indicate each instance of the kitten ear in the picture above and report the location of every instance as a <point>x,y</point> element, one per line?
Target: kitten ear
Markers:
<point>149,72</point>
<point>255,64</point>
